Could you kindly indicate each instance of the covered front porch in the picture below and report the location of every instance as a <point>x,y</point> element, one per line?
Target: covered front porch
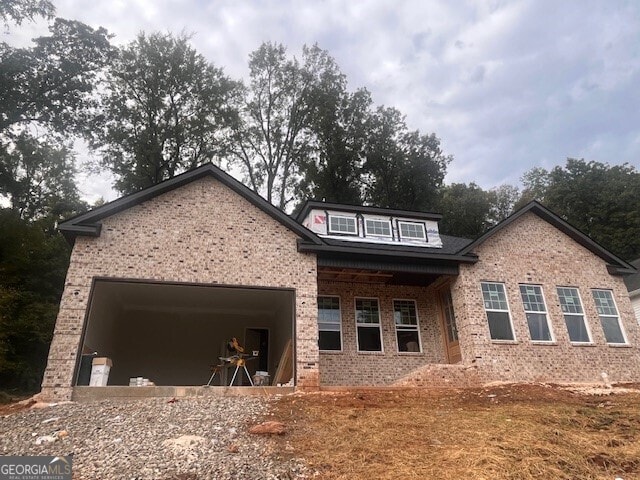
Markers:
<point>380,321</point>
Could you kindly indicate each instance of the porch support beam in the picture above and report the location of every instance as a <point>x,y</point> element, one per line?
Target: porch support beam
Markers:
<point>388,267</point>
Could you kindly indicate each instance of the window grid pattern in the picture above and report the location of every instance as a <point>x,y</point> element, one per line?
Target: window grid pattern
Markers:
<point>604,303</point>
<point>378,227</point>
<point>532,298</point>
<point>570,301</point>
<point>494,297</point>
<point>339,224</point>
<point>367,312</point>
<point>412,230</point>
<point>404,314</point>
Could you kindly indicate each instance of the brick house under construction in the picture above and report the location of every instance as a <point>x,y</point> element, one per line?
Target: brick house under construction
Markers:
<point>159,280</point>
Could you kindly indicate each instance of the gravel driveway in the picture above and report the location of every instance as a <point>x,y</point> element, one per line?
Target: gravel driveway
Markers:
<point>192,438</point>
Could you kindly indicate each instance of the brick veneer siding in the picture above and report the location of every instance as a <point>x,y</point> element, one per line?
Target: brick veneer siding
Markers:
<point>531,251</point>
<point>202,233</point>
<point>351,367</point>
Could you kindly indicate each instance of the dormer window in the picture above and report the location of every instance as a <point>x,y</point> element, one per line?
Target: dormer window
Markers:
<point>342,225</point>
<point>412,231</point>
<point>381,228</point>
<point>372,225</point>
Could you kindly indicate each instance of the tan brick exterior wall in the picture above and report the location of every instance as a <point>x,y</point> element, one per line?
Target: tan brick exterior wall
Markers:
<point>205,233</point>
<point>351,367</point>
<point>202,232</point>
<point>531,251</point>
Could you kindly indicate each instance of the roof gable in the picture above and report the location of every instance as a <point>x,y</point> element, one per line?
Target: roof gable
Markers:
<point>616,265</point>
<point>88,223</point>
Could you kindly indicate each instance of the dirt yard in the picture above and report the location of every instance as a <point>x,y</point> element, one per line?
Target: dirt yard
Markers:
<point>505,432</point>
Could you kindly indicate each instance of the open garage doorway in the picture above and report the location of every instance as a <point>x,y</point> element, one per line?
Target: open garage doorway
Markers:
<point>172,334</point>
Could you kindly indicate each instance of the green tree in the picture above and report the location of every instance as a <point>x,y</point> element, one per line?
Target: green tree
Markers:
<point>272,139</point>
<point>333,171</point>
<point>403,169</point>
<point>466,210</point>
<point>51,85</point>
<point>47,89</point>
<point>535,182</point>
<point>503,202</point>
<point>301,134</point>
<point>165,110</point>
<point>38,179</point>
<point>32,270</point>
<point>18,11</point>
<point>602,201</point>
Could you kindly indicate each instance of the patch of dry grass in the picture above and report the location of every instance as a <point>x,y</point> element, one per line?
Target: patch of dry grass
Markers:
<point>509,432</point>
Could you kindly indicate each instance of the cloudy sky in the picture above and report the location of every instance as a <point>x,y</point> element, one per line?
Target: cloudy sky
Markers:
<point>506,85</point>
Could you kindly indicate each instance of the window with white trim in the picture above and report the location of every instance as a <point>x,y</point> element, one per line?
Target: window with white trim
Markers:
<point>497,309</point>
<point>535,310</point>
<point>329,323</point>
<point>573,313</point>
<point>412,231</point>
<point>369,335</point>
<point>609,318</point>
<point>405,317</point>
<point>381,228</point>
<point>342,224</point>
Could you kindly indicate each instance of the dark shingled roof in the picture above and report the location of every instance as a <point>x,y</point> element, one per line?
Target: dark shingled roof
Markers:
<point>450,245</point>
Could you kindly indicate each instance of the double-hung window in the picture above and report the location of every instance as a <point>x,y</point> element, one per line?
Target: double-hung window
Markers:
<point>497,308</point>
<point>571,306</point>
<point>329,323</point>
<point>342,225</point>
<point>609,318</point>
<point>405,317</point>
<point>535,310</point>
<point>369,335</point>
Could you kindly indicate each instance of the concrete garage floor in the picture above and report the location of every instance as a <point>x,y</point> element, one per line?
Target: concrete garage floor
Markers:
<point>90,394</point>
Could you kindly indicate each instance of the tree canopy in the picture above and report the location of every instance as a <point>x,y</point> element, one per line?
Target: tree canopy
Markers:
<point>164,110</point>
<point>273,137</point>
<point>38,179</point>
<point>403,169</point>
<point>302,134</point>
<point>601,200</point>
<point>51,84</point>
<point>18,11</point>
